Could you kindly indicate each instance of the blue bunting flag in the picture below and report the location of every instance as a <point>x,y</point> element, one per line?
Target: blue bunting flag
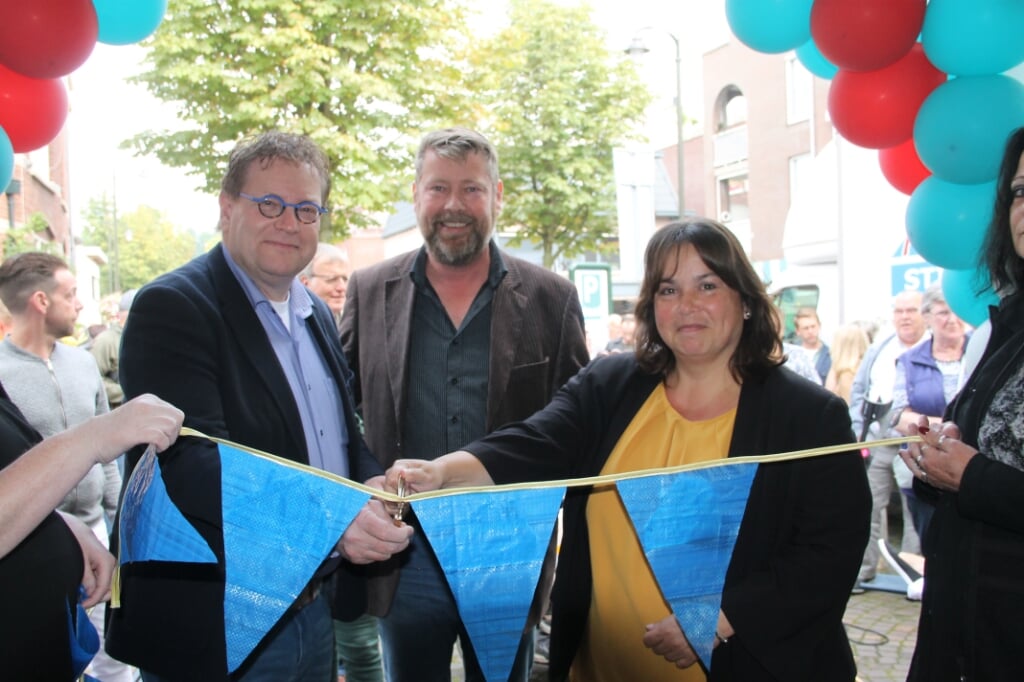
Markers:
<point>151,527</point>
<point>281,520</point>
<point>491,546</point>
<point>687,522</point>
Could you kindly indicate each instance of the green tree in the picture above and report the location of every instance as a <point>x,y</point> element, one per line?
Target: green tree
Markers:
<point>363,78</point>
<point>140,245</point>
<point>558,102</point>
<point>33,236</point>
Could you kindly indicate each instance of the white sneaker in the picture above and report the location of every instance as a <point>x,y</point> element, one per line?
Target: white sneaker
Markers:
<point>892,557</point>
<point>915,590</point>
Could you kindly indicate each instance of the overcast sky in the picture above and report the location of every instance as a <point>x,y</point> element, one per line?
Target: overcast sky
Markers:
<point>106,110</point>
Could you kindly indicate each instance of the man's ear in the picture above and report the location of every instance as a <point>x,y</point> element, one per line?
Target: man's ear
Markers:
<point>38,301</point>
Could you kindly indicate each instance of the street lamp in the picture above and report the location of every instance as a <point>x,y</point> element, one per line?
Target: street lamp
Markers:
<point>637,48</point>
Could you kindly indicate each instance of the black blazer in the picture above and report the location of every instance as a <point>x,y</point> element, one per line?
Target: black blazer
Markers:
<point>800,543</point>
<point>194,339</point>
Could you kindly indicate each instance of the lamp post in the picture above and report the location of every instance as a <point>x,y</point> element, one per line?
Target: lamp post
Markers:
<point>637,48</point>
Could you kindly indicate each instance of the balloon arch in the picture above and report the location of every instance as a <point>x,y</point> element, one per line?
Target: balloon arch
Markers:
<point>935,86</point>
<point>41,41</point>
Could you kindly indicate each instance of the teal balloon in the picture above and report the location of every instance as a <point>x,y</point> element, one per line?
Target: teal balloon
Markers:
<point>961,128</point>
<point>969,293</point>
<point>946,222</point>
<point>973,37</point>
<point>770,26</point>
<point>122,22</point>
<point>814,61</point>
<point>6,159</point>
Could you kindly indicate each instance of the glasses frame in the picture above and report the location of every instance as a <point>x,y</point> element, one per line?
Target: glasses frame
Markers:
<point>329,280</point>
<point>262,207</point>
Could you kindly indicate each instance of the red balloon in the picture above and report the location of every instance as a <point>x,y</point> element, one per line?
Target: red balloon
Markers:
<point>902,167</point>
<point>865,35</point>
<point>876,109</point>
<point>32,110</point>
<point>47,38</point>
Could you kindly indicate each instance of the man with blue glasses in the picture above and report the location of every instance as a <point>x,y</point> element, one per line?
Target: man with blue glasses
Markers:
<point>235,341</point>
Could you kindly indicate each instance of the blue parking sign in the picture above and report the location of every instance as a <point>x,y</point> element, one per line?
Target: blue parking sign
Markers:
<point>594,285</point>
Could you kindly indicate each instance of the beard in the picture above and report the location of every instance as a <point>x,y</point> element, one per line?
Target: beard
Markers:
<point>455,252</point>
<point>62,329</point>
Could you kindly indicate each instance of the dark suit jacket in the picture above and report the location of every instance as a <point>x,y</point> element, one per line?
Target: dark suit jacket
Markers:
<point>800,543</point>
<point>538,342</point>
<point>194,340</point>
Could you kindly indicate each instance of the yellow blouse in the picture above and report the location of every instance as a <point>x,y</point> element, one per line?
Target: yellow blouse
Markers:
<point>625,596</point>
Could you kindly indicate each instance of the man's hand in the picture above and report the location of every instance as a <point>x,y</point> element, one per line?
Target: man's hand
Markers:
<point>373,536</point>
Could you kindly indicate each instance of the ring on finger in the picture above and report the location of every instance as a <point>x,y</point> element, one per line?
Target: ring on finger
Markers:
<point>918,459</point>
<point>924,476</point>
<point>942,439</point>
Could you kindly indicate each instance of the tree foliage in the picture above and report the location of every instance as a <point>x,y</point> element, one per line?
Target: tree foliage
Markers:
<point>558,103</point>
<point>140,245</point>
<point>364,78</point>
<point>33,236</point>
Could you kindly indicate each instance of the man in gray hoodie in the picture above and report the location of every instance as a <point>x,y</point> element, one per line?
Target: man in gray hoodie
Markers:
<point>57,386</point>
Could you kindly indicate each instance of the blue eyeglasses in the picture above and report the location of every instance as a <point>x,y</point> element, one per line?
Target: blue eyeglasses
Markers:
<point>272,206</point>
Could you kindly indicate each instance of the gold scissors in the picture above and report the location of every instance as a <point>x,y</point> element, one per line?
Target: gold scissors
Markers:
<point>400,510</point>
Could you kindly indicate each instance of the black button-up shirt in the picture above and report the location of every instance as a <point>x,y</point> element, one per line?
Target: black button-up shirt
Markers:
<point>446,404</point>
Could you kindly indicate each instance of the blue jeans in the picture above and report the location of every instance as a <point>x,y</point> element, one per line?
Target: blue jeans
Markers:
<point>300,650</point>
<point>423,624</point>
<point>358,646</point>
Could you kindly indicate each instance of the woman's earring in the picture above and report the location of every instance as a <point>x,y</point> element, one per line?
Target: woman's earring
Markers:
<point>746,314</point>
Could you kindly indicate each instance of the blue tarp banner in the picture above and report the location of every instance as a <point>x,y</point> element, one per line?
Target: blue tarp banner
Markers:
<point>687,523</point>
<point>151,526</point>
<point>280,522</point>
<point>491,546</point>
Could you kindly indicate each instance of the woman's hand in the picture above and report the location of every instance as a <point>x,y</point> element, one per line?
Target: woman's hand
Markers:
<point>420,476</point>
<point>666,639</point>
<point>99,563</point>
<point>941,457</point>
<point>144,419</point>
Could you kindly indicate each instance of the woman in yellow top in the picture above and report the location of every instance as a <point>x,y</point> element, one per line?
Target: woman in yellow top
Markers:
<point>704,383</point>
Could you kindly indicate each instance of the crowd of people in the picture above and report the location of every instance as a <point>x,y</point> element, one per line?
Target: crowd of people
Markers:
<point>457,364</point>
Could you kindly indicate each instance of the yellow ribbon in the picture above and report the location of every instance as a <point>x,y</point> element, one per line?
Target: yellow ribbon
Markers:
<point>568,482</point>
<point>533,485</point>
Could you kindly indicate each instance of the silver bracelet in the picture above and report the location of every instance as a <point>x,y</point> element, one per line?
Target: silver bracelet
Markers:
<point>721,639</point>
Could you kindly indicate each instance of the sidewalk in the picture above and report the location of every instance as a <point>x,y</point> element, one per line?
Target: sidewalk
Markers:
<point>882,627</point>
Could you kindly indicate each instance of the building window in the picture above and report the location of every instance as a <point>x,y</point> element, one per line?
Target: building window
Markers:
<point>799,175</point>
<point>731,108</point>
<point>733,198</point>
<point>799,91</point>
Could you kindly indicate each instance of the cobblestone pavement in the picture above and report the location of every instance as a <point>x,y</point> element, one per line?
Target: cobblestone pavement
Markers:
<point>882,627</point>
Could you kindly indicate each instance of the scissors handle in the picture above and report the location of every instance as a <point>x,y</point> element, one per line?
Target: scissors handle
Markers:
<point>400,510</point>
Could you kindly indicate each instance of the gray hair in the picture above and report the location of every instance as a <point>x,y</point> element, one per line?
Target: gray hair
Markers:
<point>932,296</point>
<point>325,253</point>
<point>456,144</point>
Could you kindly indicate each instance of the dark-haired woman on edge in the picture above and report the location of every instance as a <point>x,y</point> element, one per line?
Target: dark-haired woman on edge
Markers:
<point>972,468</point>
